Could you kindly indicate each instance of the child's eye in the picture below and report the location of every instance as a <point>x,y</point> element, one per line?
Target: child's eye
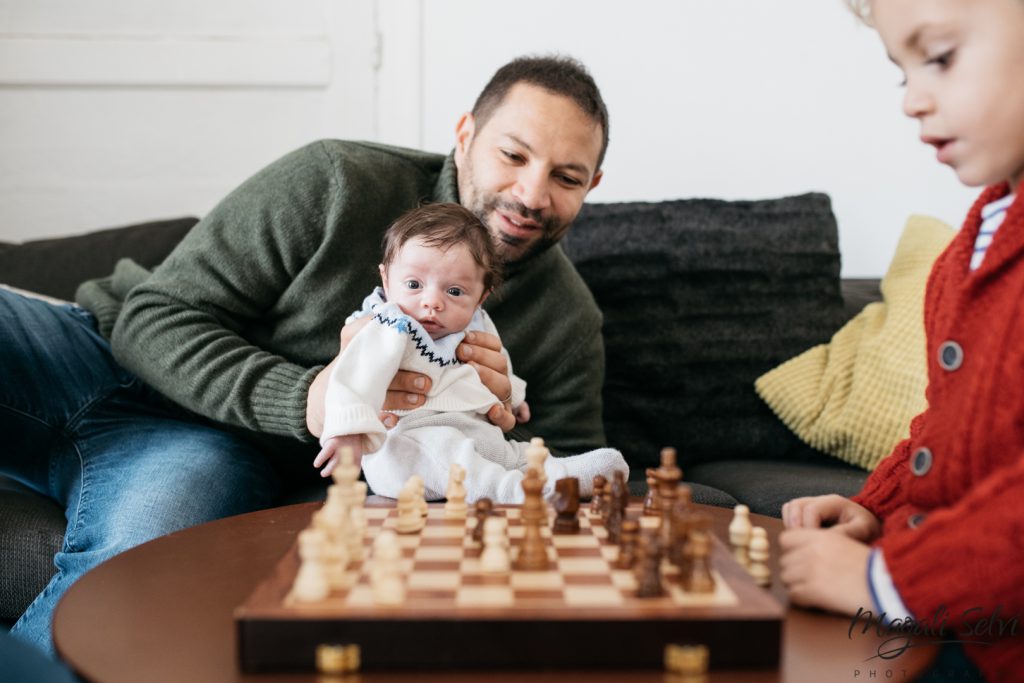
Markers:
<point>454,291</point>
<point>942,60</point>
<point>412,284</point>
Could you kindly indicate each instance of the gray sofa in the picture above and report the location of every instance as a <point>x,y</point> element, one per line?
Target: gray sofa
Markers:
<point>699,296</point>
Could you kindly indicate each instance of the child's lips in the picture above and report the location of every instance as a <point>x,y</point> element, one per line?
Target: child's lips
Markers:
<point>942,147</point>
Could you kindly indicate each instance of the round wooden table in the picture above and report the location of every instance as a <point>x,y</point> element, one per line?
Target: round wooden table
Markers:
<point>163,612</point>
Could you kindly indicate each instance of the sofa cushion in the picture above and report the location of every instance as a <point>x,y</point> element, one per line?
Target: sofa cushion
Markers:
<point>56,267</point>
<point>764,485</point>
<point>699,298</point>
<point>31,533</point>
<point>855,396</point>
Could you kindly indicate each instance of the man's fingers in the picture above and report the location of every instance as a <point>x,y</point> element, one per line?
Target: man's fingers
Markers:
<point>409,382</point>
<point>495,360</point>
<point>502,417</point>
<point>389,419</point>
<point>498,383</point>
<point>400,400</point>
<point>484,339</point>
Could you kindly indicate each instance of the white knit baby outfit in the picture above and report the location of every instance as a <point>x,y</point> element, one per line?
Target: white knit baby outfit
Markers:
<point>451,426</point>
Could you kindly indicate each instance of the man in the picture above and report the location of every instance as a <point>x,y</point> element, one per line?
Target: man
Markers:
<point>211,386</point>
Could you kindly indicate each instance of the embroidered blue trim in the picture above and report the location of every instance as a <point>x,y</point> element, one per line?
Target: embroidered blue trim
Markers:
<point>401,324</point>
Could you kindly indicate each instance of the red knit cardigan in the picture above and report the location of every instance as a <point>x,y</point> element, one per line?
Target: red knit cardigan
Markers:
<point>953,532</point>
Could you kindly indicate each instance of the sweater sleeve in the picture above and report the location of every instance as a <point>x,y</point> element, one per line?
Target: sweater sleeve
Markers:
<point>180,330</point>
<point>882,492</point>
<point>359,382</point>
<point>964,559</point>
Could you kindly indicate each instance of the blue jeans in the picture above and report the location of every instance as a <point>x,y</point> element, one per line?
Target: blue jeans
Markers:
<point>125,463</point>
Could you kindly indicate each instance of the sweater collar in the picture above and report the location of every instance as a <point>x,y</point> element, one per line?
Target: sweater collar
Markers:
<point>1009,239</point>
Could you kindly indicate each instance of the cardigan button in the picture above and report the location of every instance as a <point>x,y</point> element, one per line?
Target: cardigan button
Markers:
<point>951,355</point>
<point>915,520</point>
<point>921,462</point>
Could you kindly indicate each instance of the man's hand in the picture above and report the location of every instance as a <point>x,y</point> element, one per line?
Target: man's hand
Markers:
<point>836,512</point>
<point>331,452</point>
<point>824,569</point>
<point>483,352</point>
<point>407,390</point>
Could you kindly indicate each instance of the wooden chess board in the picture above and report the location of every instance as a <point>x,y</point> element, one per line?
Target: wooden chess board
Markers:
<point>581,613</point>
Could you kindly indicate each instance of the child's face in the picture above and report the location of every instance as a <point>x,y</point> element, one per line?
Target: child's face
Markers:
<point>962,60</point>
<point>439,288</point>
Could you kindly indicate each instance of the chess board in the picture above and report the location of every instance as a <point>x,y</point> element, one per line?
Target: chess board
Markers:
<point>581,613</point>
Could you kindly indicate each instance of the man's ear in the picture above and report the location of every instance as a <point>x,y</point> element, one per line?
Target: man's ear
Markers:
<point>596,181</point>
<point>464,131</point>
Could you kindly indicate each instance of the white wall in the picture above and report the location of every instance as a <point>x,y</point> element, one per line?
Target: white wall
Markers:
<point>115,111</point>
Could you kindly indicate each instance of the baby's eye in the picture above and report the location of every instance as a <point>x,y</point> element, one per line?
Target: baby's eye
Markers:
<point>454,291</point>
<point>412,284</point>
<point>942,60</point>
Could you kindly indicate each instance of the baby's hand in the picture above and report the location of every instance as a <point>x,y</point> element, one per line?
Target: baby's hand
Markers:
<point>837,512</point>
<point>332,449</point>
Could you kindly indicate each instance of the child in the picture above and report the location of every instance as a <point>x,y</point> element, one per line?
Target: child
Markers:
<point>935,534</point>
<point>439,266</point>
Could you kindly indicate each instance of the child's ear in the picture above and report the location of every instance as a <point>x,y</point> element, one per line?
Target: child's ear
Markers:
<point>383,278</point>
<point>483,298</point>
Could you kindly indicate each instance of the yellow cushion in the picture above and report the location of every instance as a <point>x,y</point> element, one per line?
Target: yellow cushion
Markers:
<point>854,397</point>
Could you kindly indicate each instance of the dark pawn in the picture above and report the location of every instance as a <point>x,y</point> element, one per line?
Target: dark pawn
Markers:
<point>627,549</point>
<point>482,509</point>
<point>598,495</point>
<point>700,579</point>
<point>618,499</point>
<point>651,499</point>
<point>648,568</point>
<point>567,504</point>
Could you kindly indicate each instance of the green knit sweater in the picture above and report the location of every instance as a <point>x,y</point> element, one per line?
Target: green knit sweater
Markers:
<point>238,320</point>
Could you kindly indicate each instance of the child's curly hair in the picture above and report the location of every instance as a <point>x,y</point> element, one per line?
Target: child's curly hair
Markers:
<point>861,8</point>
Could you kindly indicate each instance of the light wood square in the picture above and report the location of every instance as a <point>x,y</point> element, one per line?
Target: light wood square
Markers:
<point>484,596</point>
<point>582,565</point>
<point>439,552</point>
<point>624,578</point>
<point>537,580</point>
<point>433,581</point>
<point>360,596</point>
<point>593,596</point>
<point>444,531</point>
<point>573,541</point>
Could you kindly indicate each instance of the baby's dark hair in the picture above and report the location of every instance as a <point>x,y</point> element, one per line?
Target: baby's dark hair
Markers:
<point>443,225</point>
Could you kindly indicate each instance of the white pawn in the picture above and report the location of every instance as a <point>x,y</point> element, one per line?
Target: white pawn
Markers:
<point>311,581</point>
<point>409,518</point>
<point>495,559</point>
<point>739,534</point>
<point>455,507</point>
<point>759,557</point>
<point>536,454</point>
<point>416,482</point>
<point>355,532</point>
<point>386,571</point>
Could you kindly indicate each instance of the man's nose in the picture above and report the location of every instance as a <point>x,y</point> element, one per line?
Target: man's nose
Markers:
<point>532,188</point>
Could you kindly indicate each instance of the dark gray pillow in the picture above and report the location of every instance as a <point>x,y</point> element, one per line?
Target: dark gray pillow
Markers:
<point>56,267</point>
<point>699,298</point>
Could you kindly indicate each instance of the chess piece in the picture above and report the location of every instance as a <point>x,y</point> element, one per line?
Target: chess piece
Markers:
<point>651,499</point>
<point>311,581</point>
<point>494,558</point>
<point>386,570</point>
<point>759,552</point>
<point>627,546</point>
<point>533,554</point>
<point>567,504</point>
<point>699,579</point>
<point>482,509</point>
<point>536,454</point>
<point>455,507</point>
<point>739,534</point>
<point>416,481</point>
<point>681,523</point>
<point>409,521</point>
<point>618,495</point>
<point>598,495</point>
<point>648,567</point>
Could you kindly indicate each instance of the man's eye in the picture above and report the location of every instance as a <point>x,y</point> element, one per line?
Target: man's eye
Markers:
<point>569,180</point>
<point>412,284</point>
<point>454,291</point>
<point>512,156</point>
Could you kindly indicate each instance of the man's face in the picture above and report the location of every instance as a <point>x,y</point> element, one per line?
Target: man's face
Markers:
<point>526,171</point>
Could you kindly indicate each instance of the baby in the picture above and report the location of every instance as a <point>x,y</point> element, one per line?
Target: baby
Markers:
<point>439,266</point>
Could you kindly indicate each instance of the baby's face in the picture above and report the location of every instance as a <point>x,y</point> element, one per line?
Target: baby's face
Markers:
<point>439,288</point>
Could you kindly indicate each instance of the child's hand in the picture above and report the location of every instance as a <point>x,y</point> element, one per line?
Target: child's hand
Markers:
<point>331,452</point>
<point>838,513</point>
<point>826,570</point>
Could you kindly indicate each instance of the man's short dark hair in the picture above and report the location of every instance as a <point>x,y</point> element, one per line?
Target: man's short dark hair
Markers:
<point>443,225</point>
<point>556,73</point>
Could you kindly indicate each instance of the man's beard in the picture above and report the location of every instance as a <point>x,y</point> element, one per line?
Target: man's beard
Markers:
<point>510,248</point>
